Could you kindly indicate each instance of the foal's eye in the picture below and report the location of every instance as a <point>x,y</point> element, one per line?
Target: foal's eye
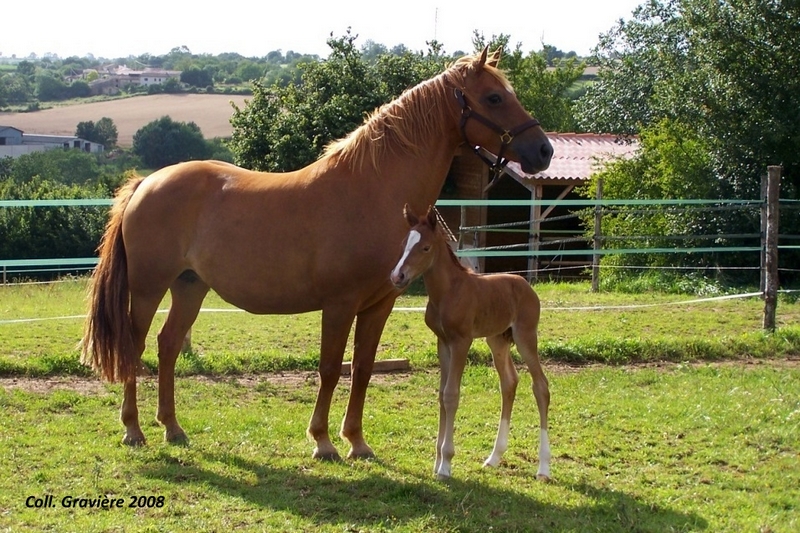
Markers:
<point>494,99</point>
<point>426,249</point>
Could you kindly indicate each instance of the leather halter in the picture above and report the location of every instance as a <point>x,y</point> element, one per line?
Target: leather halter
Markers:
<point>497,166</point>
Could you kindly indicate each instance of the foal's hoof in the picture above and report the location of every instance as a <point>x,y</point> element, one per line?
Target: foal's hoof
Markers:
<point>443,477</point>
<point>332,457</point>
<point>544,478</point>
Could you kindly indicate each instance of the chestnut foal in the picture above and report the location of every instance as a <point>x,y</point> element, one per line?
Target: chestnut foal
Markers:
<point>463,305</point>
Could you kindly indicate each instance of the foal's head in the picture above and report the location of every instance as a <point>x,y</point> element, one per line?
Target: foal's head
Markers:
<point>419,248</point>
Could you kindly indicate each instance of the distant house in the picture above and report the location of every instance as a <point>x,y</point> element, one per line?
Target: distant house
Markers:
<point>116,78</point>
<point>529,227</point>
<point>14,143</point>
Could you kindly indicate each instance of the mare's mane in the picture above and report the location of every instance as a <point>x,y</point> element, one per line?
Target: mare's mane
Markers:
<point>403,124</point>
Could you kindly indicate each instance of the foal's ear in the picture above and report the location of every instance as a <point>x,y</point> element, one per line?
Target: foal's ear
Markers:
<point>430,217</point>
<point>411,218</point>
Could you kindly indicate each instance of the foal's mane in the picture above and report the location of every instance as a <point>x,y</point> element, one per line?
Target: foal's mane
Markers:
<point>403,124</point>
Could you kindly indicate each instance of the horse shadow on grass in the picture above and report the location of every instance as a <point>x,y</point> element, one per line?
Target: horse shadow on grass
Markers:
<point>375,500</point>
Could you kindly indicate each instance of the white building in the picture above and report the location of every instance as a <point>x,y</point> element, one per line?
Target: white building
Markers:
<point>14,143</point>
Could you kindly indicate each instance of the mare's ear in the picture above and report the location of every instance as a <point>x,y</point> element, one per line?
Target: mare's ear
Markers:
<point>495,58</point>
<point>482,60</point>
<point>431,217</point>
<point>411,218</point>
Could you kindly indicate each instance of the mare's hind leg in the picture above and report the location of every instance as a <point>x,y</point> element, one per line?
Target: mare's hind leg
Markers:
<point>141,313</point>
<point>336,324</point>
<point>369,326</point>
<point>188,292</point>
<point>501,356</point>
<point>527,344</point>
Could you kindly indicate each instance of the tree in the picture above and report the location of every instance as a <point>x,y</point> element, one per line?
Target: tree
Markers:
<point>165,142</point>
<point>197,77</point>
<point>725,69</point>
<point>103,132</point>
<point>285,128</point>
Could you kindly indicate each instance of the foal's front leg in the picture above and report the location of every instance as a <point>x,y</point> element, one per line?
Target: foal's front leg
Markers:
<point>449,399</point>
<point>444,367</point>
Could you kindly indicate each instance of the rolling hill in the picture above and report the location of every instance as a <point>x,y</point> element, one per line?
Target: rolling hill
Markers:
<point>211,112</point>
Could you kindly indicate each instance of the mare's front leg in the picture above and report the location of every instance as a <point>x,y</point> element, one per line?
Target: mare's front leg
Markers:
<point>449,399</point>
<point>501,356</point>
<point>336,324</point>
<point>369,327</point>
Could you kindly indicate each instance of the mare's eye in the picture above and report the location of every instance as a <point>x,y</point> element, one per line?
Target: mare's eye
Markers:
<point>426,249</point>
<point>494,99</point>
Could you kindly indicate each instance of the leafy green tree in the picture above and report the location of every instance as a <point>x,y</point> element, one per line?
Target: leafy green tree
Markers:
<point>49,232</point>
<point>165,142</point>
<point>285,128</point>
<point>197,77</point>
<point>103,132</point>
<point>50,88</point>
<point>726,68</point>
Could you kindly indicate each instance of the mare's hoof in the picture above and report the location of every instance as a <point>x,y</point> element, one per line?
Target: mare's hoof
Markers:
<point>134,440</point>
<point>543,477</point>
<point>442,477</point>
<point>179,439</point>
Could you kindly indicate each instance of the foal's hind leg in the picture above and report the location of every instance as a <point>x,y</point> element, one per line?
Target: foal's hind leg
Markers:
<point>188,293</point>
<point>527,344</point>
<point>501,355</point>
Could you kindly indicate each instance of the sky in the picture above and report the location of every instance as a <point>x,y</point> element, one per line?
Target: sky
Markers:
<point>253,29</point>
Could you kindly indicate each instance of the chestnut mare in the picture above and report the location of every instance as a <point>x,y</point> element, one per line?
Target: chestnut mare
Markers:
<point>462,306</point>
<point>319,238</point>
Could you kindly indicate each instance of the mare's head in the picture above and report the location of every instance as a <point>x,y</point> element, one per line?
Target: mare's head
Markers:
<point>420,248</point>
<point>493,118</point>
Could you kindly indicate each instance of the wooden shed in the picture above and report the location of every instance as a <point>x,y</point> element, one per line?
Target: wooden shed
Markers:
<point>529,227</point>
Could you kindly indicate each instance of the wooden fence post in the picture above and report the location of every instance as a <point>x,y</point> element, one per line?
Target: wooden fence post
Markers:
<point>770,268</point>
<point>598,233</point>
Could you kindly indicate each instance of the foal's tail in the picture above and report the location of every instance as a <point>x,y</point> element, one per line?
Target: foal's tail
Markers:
<point>107,344</point>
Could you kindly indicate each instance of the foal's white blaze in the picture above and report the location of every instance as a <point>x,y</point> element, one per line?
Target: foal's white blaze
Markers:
<point>413,238</point>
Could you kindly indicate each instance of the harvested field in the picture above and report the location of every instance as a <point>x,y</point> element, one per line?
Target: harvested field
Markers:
<point>211,112</point>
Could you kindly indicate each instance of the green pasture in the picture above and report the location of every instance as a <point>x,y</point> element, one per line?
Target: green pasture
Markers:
<point>642,449</point>
<point>664,417</point>
<point>630,328</point>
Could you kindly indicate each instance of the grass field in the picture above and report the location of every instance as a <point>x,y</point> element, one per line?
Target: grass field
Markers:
<point>633,328</point>
<point>684,442</point>
<point>211,112</point>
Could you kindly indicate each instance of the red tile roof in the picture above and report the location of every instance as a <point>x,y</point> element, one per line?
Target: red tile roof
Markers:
<point>576,156</point>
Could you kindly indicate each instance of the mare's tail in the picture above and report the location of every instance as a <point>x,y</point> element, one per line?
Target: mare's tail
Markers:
<point>107,344</point>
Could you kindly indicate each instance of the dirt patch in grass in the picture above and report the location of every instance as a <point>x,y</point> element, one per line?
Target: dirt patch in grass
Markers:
<point>95,385</point>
